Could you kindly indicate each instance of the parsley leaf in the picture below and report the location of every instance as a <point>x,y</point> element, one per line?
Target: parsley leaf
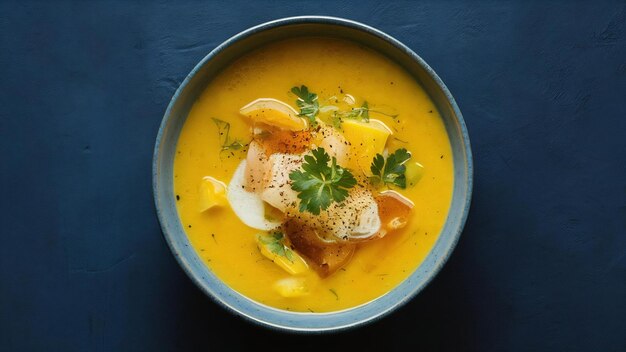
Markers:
<point>223,129</point>
<point>319,184</point>
<point>390,171</point>
<point>275,243</point>
<point>307,102</point>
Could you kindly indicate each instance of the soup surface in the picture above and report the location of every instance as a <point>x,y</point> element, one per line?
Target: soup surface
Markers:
<point>356,87</point>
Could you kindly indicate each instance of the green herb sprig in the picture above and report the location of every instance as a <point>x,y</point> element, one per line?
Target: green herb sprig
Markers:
<point>307,102</point>
<point>320,183</point>
<point>360,114</point>
<point>392,170</point>
<point>223,129</point>
<point>275,243</point>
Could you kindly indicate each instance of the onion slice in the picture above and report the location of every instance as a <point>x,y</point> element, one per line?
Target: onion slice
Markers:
<point>248,206</point>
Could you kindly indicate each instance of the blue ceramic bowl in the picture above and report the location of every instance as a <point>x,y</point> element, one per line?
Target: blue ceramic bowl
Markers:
<point>190,90</point>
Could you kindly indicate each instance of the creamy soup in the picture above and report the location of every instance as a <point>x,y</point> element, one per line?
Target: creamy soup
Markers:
<point>313,175</point>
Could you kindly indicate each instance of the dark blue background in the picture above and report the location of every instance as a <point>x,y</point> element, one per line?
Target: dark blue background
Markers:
<point>541,264</point>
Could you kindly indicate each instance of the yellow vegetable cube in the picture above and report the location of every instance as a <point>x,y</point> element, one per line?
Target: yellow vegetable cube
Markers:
<point>366,140</point>
<point>274,248</point>
<point>212,193</point>
<point>292,287</point>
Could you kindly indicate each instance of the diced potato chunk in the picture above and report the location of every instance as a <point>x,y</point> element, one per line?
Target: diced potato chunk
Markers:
<point>281,255</point>
<point>366,140</point>
<point>212,193</point>
<point>293,287</point>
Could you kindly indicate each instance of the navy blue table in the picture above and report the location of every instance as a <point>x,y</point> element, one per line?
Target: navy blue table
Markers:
<point>541,264</point>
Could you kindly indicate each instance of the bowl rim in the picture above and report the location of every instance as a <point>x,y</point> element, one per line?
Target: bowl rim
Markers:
<point>441,260</point>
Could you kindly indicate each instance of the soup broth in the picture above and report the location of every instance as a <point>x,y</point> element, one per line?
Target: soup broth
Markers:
<point>349,80</point>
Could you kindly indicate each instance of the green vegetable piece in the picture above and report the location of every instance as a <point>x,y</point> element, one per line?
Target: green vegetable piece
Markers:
<point>414,173</point>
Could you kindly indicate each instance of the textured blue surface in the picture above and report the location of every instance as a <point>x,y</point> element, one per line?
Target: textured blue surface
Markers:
<point>540,266</point>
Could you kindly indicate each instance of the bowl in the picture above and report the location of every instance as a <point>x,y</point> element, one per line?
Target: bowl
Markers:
<point>188,93</point>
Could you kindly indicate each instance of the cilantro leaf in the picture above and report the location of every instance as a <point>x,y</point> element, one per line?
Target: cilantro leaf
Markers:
<point>307,102</point>
<point>390,171</point>
<point>319,184</point>
<point>223,129</point>
<point>275,243</point>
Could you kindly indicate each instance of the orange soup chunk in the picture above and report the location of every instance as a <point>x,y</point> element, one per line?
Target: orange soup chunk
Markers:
<point>324,257</point>
<point>394,210</point>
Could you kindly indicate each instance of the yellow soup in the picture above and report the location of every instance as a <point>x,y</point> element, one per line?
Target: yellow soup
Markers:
<point>342,74</point>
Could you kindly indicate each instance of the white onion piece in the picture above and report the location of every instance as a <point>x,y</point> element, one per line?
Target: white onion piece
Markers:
<point>248,206</point>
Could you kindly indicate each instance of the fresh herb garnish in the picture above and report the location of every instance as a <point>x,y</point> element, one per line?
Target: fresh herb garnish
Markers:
<point>307,102</point>
<point>359,114</point>
<point>223,129</point>
<point>400,140</point>
<point>275,243</point>
<point>336,120</point>
<point>390,171</point>
<point>319,184</point>
<point>334,293</point>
